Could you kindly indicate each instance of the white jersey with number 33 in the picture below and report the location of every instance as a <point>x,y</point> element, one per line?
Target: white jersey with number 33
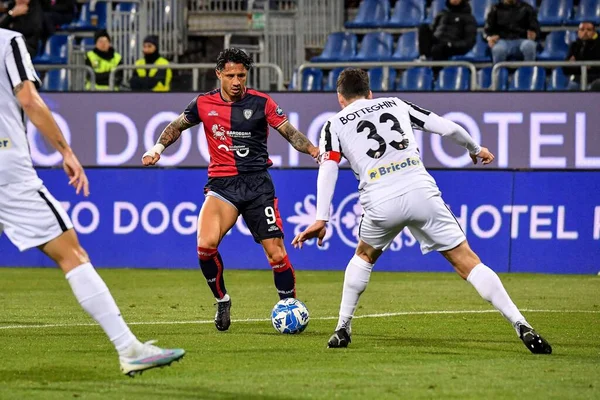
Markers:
<point>376,137</point>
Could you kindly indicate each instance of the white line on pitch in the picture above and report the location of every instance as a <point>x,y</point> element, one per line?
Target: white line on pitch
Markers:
<point>382,315</point>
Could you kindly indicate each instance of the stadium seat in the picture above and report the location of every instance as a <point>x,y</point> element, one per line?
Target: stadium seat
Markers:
<point>371,14</point>
<point>436,7</point>
<point>484,78</point>
<point>480,53</point>
<point>85,21</point>
<point>555,47</point>
<point>558,81</point>
<point>332,77</point>
<point>56,81</point>
<point>480,9</point>
<point>126,7</point>
<point>453,79</point>
<point>407,48</point>
<point>377,82</point>
<point>555,12</point>
<point>416,79</point>
<point>312,80</point>
<point>87,43</point>
<point>340,46</point>
<point>528,79</point>
<point>54,52</point>
<point>375,46</point>
<point>588,10</point>
<point>407,13</point>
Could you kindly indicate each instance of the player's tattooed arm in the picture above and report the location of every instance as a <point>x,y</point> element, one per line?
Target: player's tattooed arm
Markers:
<point>172,132</point>
<point>298,140</point>
<point>18,88</point>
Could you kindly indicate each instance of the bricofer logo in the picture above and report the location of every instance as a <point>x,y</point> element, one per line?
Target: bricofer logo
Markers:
<point>392,167</point>
<point>5,143</point>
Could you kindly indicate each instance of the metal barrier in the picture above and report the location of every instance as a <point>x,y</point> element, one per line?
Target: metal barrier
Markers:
<point>78,85</point>
<point>390,64</point>
<point>544,64</point>
<point>320,18</point>
<point>194,68</point>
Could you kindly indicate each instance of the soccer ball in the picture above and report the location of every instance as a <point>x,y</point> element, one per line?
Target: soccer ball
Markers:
<point>289,316</point>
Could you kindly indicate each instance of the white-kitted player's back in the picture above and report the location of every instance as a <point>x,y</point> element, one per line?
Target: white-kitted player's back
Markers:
<point>377,139</point>
<point>15,68</point>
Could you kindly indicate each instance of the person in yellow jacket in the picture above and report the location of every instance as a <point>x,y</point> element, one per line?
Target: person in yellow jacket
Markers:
<point>103,59</point>
<point>155,79</point>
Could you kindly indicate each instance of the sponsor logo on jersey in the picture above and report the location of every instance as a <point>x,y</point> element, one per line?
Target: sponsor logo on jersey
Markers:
<point>392,167</point>
<point>219,132</point>
<point>5,143</point>
<point>213,113</point>
<point>248,113</point>
<point>279,111</point>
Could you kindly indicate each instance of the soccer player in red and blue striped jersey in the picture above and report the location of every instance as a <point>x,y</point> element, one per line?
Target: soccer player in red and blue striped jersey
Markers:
<point>236,123</point>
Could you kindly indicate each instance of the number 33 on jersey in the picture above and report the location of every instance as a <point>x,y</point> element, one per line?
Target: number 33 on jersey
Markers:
<point>376,137</point>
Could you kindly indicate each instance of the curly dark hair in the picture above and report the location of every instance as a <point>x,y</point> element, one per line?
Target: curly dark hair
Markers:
<point>234,55</point>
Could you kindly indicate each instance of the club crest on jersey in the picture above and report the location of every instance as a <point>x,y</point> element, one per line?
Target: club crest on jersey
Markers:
<point>279,111</point>
<point>248,113</point>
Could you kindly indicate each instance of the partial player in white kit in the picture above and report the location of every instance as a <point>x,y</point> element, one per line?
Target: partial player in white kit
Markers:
<point>31,217</point>
<point>396,191</point>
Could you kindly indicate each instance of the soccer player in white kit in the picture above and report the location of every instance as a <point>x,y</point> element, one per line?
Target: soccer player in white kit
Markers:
<point>396,191</point>
<point>31,217</point>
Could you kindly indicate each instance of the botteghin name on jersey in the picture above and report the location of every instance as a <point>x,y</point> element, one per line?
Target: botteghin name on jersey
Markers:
<point>366,110</point>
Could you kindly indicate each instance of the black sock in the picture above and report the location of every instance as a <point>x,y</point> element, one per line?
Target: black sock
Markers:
<point>285,278</point>
<point>211,265</point>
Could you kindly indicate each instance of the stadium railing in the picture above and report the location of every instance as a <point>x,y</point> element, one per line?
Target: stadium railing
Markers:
<point>74,84</point>
<point>544,64</point>
<point>320,18</point>
<point>195,71</point>
<point>390,64</point>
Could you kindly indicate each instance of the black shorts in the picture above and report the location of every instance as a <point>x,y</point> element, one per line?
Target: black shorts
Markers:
<point>253,194</point>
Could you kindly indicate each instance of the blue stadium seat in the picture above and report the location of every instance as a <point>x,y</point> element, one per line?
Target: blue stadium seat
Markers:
<point>480,53</point>
<point>371,14</point>
<point>453,79</point>
<point>375,46</point>
<point>436,7</point>
<point>484,78</point>
<point>528,79</point>
<point>56,81</point>
<point>588,10</point>
<point>88,43</point>
<point>555,12</point>
<point>377,82</point>
<point>571,37</point>
<point>340,46</point>
<point>332,77</point>
<point>416,79</point>
<point>84,22</point>
<point>126,7</point>
<point>558,81</point>
<point>54,52</point>
<point>480,9</point>
<point>407,13</point>
<point>407,48</point>
<point>312,80</point>
<point>555,47</point>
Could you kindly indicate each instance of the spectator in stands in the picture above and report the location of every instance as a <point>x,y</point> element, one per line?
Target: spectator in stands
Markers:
<point>103,59</point>
<point>25,17</point>
<point>511,28</point>
<point>59,12</point>
<point>452,33</point>
<point>585,48</point>
<point>157,80</point>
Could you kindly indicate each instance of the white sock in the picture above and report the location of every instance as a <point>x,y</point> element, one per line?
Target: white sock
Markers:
<point>225,298</point>
<point>95,298</point>
<point>489,286</point>
<point>356,279</point>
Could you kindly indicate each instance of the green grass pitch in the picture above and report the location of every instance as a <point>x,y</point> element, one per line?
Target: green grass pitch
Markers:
<point>433,338</point>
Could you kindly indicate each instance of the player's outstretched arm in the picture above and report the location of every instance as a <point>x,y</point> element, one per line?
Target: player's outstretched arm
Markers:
<point>298,140</point>
<point>40,115</point>
<point>168,136</point>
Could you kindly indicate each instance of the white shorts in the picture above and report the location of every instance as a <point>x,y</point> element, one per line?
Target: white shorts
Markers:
<point>421,210</point>
<point>29,215</point>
